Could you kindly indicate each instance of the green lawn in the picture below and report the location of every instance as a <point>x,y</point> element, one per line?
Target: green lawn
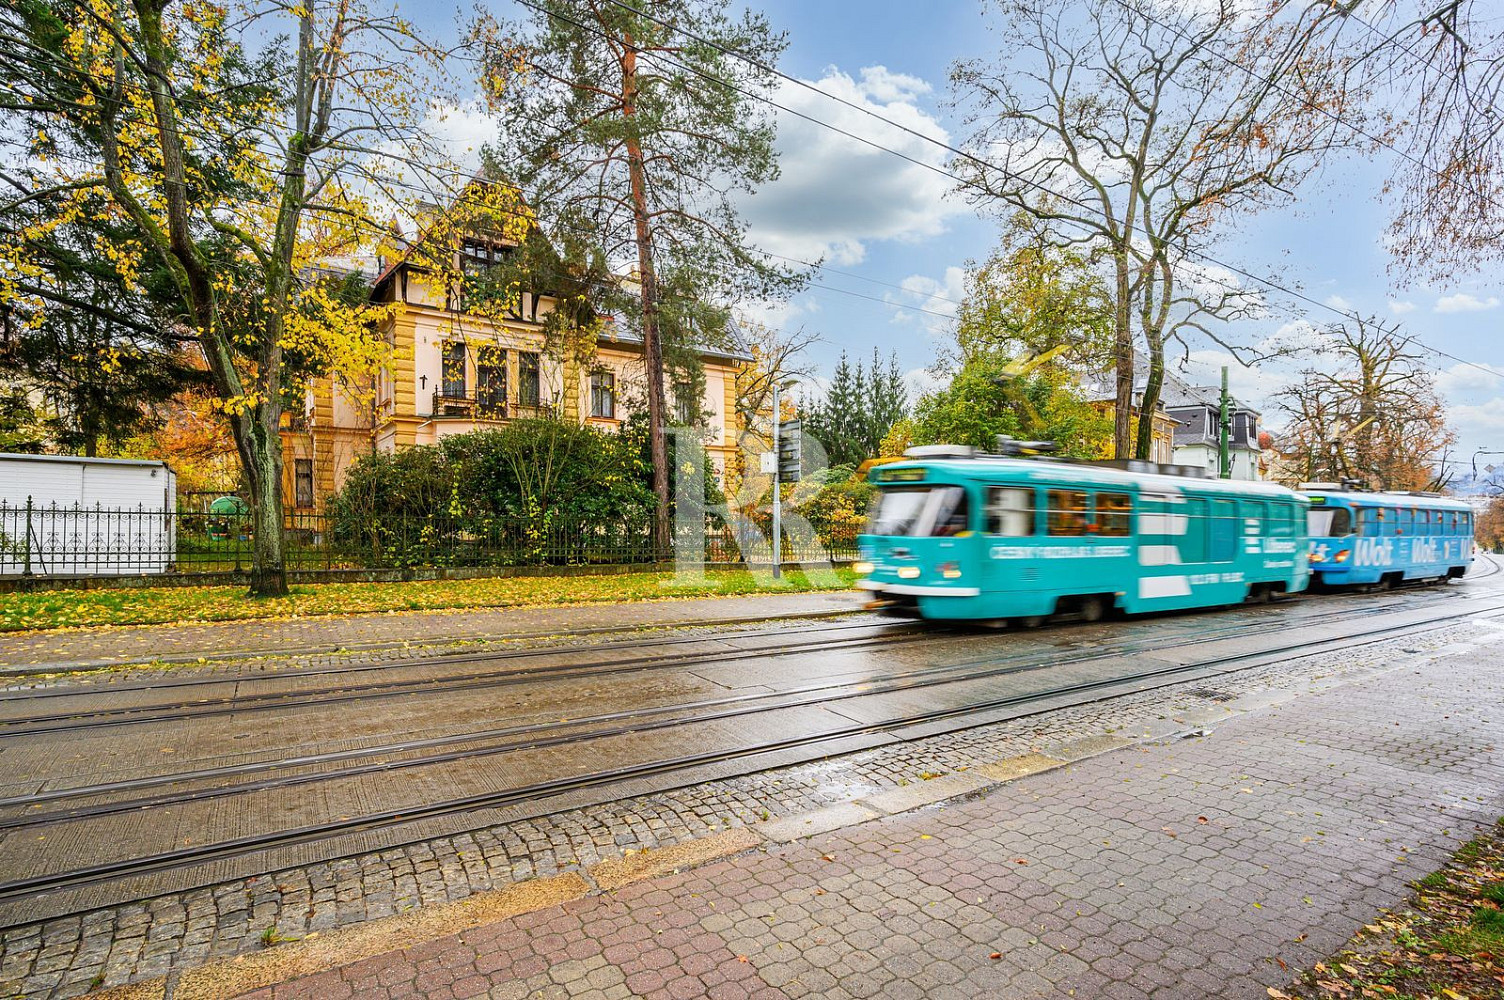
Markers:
<point>157,605</point>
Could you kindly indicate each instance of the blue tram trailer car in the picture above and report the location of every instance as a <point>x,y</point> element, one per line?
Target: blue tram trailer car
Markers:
<point>1361,539</point>
<point>1001,538</point>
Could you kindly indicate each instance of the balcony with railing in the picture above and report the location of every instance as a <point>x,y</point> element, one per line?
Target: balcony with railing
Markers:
<point>450,404</point>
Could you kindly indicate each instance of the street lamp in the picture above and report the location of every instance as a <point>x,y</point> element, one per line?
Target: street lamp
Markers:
<point>1482,451</point>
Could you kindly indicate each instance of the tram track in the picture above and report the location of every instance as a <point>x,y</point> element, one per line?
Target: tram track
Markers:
<point>84,719</point>
<point>71,721</point>
<point>538,794</point>
<point>814,694</point>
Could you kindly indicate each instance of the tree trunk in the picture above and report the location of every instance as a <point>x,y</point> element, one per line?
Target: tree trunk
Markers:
<point>1122,414</point>
<point>652,344</point>
<point>1150,401</point>
<point>268,571</point>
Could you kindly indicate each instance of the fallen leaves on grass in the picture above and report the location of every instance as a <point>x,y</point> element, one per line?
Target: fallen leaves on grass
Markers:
<point>54,609</point>
<point>1447,943</point>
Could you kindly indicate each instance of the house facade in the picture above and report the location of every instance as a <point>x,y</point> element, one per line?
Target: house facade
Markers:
<point>454,371</point>
<point>1101,390</point>
<point>1197,410</point>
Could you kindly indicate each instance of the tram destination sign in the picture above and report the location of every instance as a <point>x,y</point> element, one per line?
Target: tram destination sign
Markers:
<point>900,475</point>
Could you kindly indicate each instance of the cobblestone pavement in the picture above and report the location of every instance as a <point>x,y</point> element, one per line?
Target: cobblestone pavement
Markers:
<point>72,648</point>
<point>66,957</point>
<point>1184,868</point>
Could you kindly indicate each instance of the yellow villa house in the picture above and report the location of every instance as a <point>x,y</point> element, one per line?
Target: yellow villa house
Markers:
<point>456,372</point>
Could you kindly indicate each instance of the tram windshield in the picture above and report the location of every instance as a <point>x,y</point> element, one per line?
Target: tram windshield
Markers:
<point>1324,522</point>
<point>919,511</point>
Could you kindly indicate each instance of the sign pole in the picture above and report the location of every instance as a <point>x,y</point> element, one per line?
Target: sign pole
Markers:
<point>777,499</point>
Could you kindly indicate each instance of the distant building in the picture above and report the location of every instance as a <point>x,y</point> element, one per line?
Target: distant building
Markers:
<point>1102,392</point>
<point>1196,411</point>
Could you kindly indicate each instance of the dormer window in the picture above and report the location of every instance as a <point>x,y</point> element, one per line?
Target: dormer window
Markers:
<point>479,256</point>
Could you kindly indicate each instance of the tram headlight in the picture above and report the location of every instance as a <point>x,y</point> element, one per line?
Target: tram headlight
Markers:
<point>863,568</point>
<point>908,572</point>
<point>950,570</point>
<point>1342,556</point>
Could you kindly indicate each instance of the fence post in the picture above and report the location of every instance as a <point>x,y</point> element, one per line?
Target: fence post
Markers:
<point>27,570</point>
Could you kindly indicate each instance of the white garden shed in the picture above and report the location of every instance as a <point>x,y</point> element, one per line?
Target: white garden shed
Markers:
<point>62,515</point>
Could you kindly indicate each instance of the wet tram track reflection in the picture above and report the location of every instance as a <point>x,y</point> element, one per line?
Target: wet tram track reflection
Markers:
<point>83,709</point>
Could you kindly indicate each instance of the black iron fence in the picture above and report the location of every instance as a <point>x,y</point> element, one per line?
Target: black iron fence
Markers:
<point>75,541</point>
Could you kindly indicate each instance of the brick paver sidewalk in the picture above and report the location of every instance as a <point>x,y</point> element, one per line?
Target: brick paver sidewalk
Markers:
<point>1191,868</point>
<point>128,644</point>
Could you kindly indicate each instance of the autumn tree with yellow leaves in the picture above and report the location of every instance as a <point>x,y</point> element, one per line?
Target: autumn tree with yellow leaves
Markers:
<point>242,153</point>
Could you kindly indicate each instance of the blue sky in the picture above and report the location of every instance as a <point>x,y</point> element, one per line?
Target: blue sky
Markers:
<point>890,223</point>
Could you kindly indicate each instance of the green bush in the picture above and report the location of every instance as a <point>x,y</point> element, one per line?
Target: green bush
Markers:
<point>532,491</point>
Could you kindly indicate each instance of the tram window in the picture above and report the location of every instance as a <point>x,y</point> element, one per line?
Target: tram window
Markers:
<point>1193,545</point>
<point>1404,522</point>
<point>1224,546</point>
<point>1067,512</point>
<point>1323,522</point>
<point>919,511</point>
<point>1114,514</point>
<point>1010,511</point>
<point>1282,523</point>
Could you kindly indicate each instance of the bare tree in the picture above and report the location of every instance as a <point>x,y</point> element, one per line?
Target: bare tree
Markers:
<point>1437,66</point>
<point>1137,129</point>
<point>1369,411</point>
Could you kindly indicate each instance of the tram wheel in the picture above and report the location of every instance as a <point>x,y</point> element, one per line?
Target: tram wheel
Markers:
<point>1028,621</point>
<point>1092,609</point>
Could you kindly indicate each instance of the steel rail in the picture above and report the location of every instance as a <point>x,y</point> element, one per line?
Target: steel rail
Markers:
<point>329,649</point>
<point>83,719</point>
<point>177,858</point>
<point>166,681</point>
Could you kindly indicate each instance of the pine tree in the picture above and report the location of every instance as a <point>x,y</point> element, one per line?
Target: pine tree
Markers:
<point>634,126</point>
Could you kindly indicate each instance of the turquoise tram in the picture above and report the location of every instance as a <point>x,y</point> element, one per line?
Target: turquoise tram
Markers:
<point>1361,539</point>
<point>958,535</point>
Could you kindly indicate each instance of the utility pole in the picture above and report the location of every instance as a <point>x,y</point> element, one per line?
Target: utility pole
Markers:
<point>1224,430</point>
<point>777,499</point>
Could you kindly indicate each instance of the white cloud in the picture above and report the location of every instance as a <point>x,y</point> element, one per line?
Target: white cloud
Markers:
<point>834,194</point>
<point>1463,302</point>
<point>1338,302</point>
<point>1297,336</point>
<point>1482,422</point>
<point>920,382</point>
<point>939,298</point>
<point>1461,378</point>
<point>1400,308</point>
<point>882,84</point>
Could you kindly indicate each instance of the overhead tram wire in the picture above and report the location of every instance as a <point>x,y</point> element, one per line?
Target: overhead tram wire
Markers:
<point>1207,258</point>
<point>764,67</point>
